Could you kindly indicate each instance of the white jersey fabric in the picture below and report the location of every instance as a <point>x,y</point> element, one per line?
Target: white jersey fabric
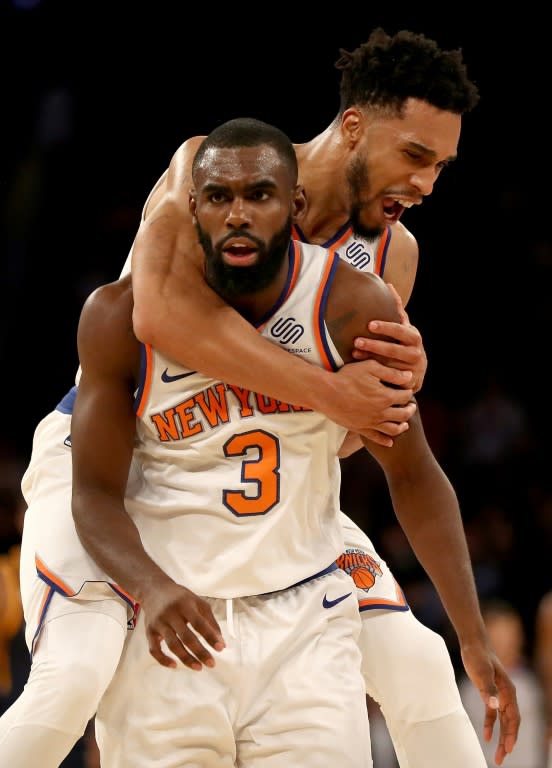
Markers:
<point>239,501</point>
<point>54,561</point>
<point>400,656</point>
<point>254,479</point>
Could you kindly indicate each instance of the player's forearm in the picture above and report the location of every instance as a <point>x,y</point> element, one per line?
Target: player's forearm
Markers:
<point>351,444</point>
<point>430,517</point>
<point>112,539</point>
<point>216,340</point>
<point>192,325</point>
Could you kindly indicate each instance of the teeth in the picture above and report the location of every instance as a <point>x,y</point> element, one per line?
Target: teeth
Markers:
<point>405,203</point>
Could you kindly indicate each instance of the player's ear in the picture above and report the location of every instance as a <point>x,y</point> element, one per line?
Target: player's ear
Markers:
<point>299,203</point>
<point>192,202</point>
<point>352,125</point>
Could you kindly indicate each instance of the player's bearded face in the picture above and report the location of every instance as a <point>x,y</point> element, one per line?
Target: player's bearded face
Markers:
<point>359,185</point>
<point>230,280</point>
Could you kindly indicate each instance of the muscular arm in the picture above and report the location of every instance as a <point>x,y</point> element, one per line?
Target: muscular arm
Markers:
<point>103,430</point>
<point>188,322</point>
<point>104,417</point>
<point>427,508</point>
<point>401,265</point>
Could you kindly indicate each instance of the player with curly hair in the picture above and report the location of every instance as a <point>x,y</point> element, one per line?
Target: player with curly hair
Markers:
<point>397,127</point>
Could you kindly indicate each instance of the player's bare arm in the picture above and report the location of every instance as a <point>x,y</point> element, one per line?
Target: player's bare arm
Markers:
<point>104,416</point>
<point>427,508</point>
<point>400,271</point>
<point>401,264</point>
<point>384,336</point>
<point>189,323</point>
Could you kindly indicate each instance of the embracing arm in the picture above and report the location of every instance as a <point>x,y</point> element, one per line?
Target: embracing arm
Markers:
<point>427,508</point>
<point>103,431</point>
<point>177,312</point>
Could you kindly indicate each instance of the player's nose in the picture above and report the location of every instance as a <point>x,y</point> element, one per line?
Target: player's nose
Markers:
<point>238,214</point>
<point>424,179</point>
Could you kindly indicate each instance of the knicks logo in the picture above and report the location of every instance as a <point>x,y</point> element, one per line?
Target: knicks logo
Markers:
<point>362,568</point>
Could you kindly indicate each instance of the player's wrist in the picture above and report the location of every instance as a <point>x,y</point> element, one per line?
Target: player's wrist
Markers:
<point>318,389</point>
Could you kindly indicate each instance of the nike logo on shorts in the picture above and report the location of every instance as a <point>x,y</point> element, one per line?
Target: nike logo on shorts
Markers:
<point>330,603</point>
<point>167,378</point>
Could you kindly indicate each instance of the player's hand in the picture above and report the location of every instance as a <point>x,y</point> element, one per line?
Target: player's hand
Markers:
<point>406,352</point>
<point>179,617</point>
<point>499,696</point>
<point>363,403</point>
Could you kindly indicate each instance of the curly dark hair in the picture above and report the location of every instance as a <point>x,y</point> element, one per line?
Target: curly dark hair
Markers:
<point>387,70</point>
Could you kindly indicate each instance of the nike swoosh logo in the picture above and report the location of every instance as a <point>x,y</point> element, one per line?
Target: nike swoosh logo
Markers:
<point>330,603</point>
<point>167,378</point>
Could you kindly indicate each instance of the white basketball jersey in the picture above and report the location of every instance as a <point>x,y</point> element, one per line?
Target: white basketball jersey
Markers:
<point>240,492</point>
<point>364,255</point>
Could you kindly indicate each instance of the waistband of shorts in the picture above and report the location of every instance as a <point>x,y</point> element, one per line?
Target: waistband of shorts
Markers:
<point>332,567</point>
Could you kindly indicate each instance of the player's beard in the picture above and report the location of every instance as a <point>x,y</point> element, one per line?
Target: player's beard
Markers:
<point>228,280</point>
<point>358,179</point>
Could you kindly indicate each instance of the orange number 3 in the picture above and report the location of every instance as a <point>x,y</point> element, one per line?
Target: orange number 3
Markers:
<point>263,471</point>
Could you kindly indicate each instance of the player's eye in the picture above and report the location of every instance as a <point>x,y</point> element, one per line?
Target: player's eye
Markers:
<point>258,195</point>
<point>417,157</point>
<point>218,197</point>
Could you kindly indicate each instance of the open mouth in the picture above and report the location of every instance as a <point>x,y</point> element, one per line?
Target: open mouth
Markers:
<point>393,208</point>
<point>240,254</point>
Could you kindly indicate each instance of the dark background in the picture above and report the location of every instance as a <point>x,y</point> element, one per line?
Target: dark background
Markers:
<point>97,96</point>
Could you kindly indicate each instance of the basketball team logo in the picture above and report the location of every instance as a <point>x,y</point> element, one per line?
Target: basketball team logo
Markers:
<point>362,568</point>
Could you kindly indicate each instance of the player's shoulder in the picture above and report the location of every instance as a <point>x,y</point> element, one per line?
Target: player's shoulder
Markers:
<point>105,337</point>
<point>359,297</point>
<point>355,284</point>
<point>401,264</point>
<point>403,244</point>
<point>108,303</point>
<point>186,151</point>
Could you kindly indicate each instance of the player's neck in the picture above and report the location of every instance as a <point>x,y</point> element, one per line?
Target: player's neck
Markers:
<point>322,172</point>
<point>254,306</point>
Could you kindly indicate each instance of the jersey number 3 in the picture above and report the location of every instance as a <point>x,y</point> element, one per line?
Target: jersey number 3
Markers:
<point>263,471</point>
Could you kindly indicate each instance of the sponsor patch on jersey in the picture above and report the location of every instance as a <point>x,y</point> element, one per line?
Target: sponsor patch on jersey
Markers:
<point>287,330</point>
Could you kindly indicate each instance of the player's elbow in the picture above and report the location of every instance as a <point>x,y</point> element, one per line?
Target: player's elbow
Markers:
<point>145,324</point>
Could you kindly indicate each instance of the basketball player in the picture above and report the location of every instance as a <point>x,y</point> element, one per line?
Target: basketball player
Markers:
<point>400,655</point>
<point>235,495</point>
<point>397,127</point>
